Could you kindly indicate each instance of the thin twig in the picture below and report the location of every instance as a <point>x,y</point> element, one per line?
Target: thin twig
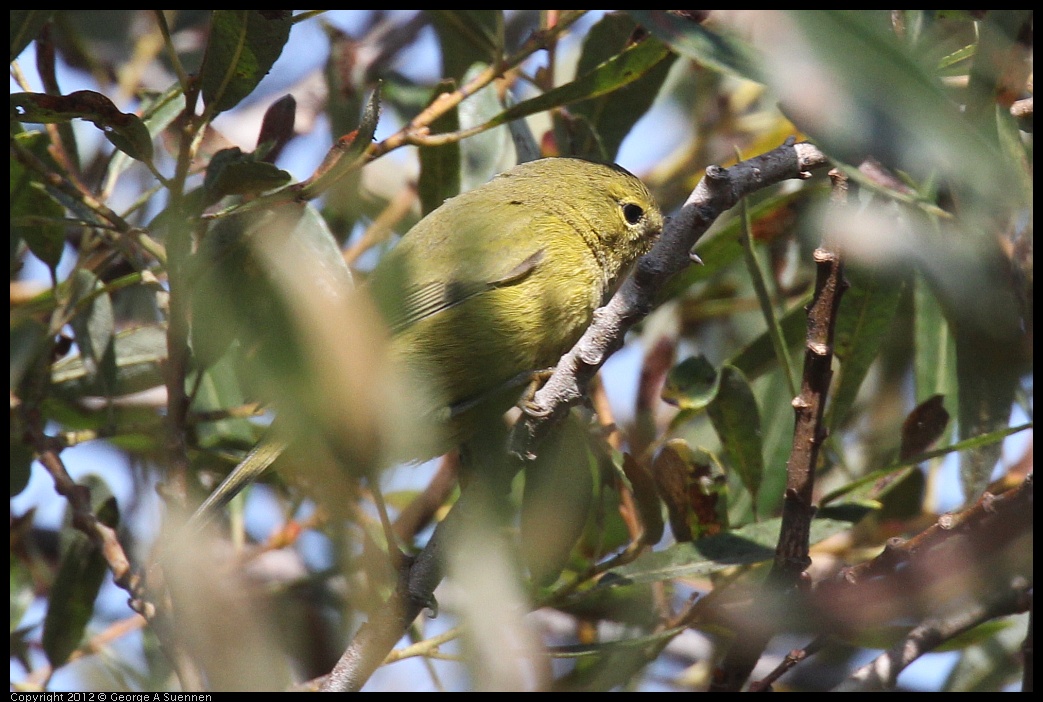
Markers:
<point>791,554</point>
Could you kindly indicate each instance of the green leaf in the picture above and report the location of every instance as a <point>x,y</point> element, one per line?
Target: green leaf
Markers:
<point>126,131</point>
<point>736,419</point>
<point>351,148</point>
<point>25,25</point>
<point>467,37</point>
<point>866,312</point>
<point>243,46</point>
<point>29,340</point>
<point>490,152</point>
<point>45,237</point>
<point>611,117</point>
<point>624,68</point>
<point>140,354</point>
<point>94,325</point>
<point>758,356</point>
<point>21,457</point>
<point>721,52</point>
<point>220,389</point>
<point>158,111</point>
<point>440,165</point>
<point>753,543</point>
<point>30,199</point>
<point>81,569</point>
<point>232,172</point>
<point>692,384</point>
<point>935,367</point>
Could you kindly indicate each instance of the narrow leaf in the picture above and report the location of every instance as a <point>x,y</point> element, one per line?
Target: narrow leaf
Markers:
<point>81,570</point>
<point>865,315</point>
<point>724,53</point>
<point>623,69</point>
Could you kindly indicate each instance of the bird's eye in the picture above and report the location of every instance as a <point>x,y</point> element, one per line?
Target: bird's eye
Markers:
<point>633,213</point>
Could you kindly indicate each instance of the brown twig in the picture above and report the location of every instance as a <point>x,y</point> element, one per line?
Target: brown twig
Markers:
<point>107,541</point>
<point>791,554</point>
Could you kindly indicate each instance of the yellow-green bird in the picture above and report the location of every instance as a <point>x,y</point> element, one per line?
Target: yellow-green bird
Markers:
<point>498,282</point>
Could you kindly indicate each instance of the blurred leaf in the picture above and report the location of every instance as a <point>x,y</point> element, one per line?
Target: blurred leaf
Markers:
<point>440,165</point>
<point>992,656</point>
<point>559,490</point>
<point>467,37</point>
<point>242,47</point>
<point>126,131</point>
<point>611,117</point>
<point>613,598</point>
<point>882,476</point>
<point>81,569</point>
<point>21,588</point>
<point>21,456</point>
<point>140,354</point>
<point>924,425</point>
<point>883,102</point>
<point>736,419</point>
<point>646,497</point>
<point>866,312</point>
<point>752,543</point>
<point>1000,66</point>
<point>604,666</point>
<point>720,52</point>
<point>25,25</point>
<point>987,386</point>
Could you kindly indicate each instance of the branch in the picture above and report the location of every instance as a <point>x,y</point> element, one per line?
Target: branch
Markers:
<point>791,554</point>
<point>882,673</point>
<point>720,190</point>
<point>107,542</point>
